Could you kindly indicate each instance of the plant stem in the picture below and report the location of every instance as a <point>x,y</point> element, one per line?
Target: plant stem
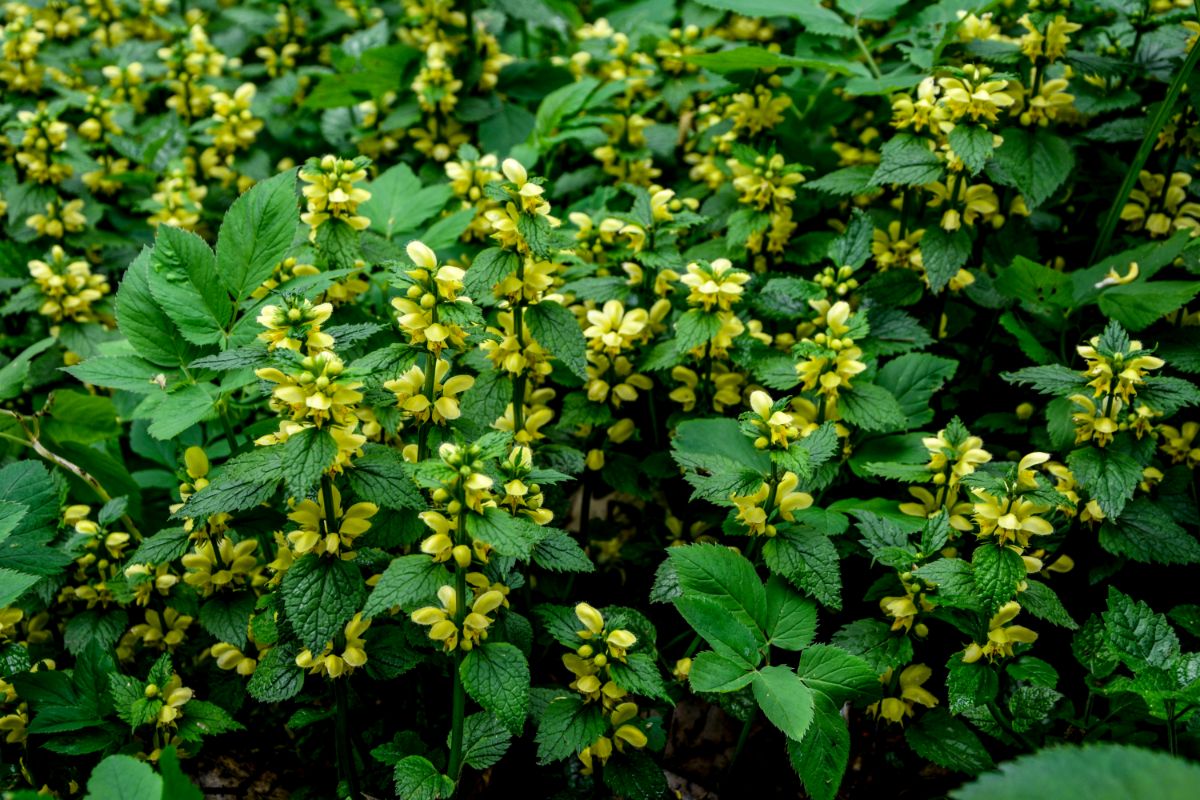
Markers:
<point>430,383</point>
<point>459,702</point>
<point>1139,160</point>
<point>1172,737</point>
<point>743,737</point>
<point>345,754</point>
<point>862,48</point>
<point>1006,726</point>
<point>235,444</point>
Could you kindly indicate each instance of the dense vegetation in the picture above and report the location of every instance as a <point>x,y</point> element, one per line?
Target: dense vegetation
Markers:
<point>434,399</point>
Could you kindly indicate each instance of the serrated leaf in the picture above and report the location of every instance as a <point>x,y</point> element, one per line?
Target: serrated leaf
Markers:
<point>408,582</point>
<point>556,329</point>
<point>840,676</point>
<point>382,476</point>
<point>1109,476</point>
<point>257,233</point>
<point>785,699</point>
<point>947,742</point>
<point>320,596</point>
<point>566,727</point>
<point>997,572</point>
<point>1145,532</point>
<point>820,759</point>
<point>496,675</point>
<point>508,535</point>
<point>808,559</point>
<point>306,457</point>
<point>713,672</point>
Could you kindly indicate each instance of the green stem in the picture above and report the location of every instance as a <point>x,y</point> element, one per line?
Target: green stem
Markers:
<point>862,48</point>
<point>430,382</point>
<point>1002,720</point>
<point>459,702</point>
<point>345,754</point>
<point>1139,160</point>
<point>743,737</point>
<point>236,447</point>
<point>1172,736</point>
<point>707,387</point>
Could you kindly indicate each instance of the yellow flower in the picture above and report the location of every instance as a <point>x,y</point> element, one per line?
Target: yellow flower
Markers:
<point>953,455</point>
<point>229,657</point>
<point>69,289</point>
<point>973,95</point>
<point>409,390</point>
<point>1010,519</point>
<point>331,191</point>
<point>777,427</point>
<point>442,621</point>
<point>1092,424</point>
<point>912,691</point>
<point>353,655</point>
<point>1001,636</point>
<point>718,284</point>
<point>1178,443</point>
<point>614,328</point>
<point>1161,206</point>
<point>315,393</point>
<point>618,640</point>
<point>314,535</point>
<point>233,567</point>
<point>296,324</point>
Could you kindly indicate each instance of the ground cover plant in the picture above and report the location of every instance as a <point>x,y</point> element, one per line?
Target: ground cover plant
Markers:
<point>628,399</point>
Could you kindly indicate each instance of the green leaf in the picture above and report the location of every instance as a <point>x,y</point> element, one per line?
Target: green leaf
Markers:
<point>566,727</point>
<point>785,699</point>
<point>876,10</point>
<point>840,676</point>
<point>907,160</point>
<point>1137,635</point>
<point>382,476</point>
<point>695,328</point>
<point>997,570</point>
<point>144,323</point>
<point>497,677</point>
<point>560,104</point>
<point>725,633</point>
<point>876,643</point>
<point>749,58</point>
<point>81,417</point>
<point>508,535</point>
<point>556,329</point>
<point>1104,771</point>
<point>1051,379</point>
<point>485,740</point>
<point>162,548</point>
<point>15,373</point>
<point>257,233</point>
<point>417,779</point>
<point>914,378</point>
<point>718,458</point>
<point>559,552</point>
<point>488,269</point>
<point>1139,304</point>
<point>635,777</point>
<point>1035,163</point>
<point>180,410</point>
<point>129,373</point>
<point>228,617</point>
<point>816,19</point>
<point>808,559</point>
<point>176,785</point>
<point>1110,477</point>
<point>973,144</point>
<point>638,674</point>
<point>791,619</point>
<point>845,182</point>
<point>820,759</point>
<point>944,253</point>
<point>727,579</point>
<point>1145,532</point>
<point>320,596</point>
<point>872,408</point>
<point>969,685</point>
<point>409,581</point>
<point>399,203</point>
<point>306,456</point>
<point>184,280</point>
<point>713,672</point>
<point>244,482</point>
<point>124,778</point>
<point>277,678</point>
<point>948,742</point>
<point>1041,601</point>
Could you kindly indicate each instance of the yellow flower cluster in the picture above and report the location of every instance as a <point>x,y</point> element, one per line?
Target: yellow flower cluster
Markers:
<point>329,532</point>
<point>896,708</point>
<point>835,361</point>
<point>1001,637</point>
<point>331,191</point>
<point>70,289</point>
<point>335,665</point>
<point>453,625</point>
